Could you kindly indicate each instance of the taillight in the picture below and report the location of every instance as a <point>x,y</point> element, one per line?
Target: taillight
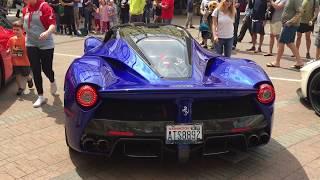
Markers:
<point>87,96</point>
<point>266,94</point>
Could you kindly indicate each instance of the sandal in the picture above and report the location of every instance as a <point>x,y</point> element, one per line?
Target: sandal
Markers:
<point>272,65</point>
<point>251,49</point>
<point>267,55</point>
<point>297,67</point>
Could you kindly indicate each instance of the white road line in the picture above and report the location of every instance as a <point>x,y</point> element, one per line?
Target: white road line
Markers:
<point>285,79</point>
<point>67,55</point>
<point>272,78</point>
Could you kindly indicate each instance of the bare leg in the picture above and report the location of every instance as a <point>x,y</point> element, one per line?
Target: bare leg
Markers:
<point>295,52</point>
<point>261,40</point>
<point>317,53</point>
<point>254,39</point>
<point>308,41</point>
<point>298,42</point>
<point>271,43</point>
<point>279,54</point>
<point>18,81</point>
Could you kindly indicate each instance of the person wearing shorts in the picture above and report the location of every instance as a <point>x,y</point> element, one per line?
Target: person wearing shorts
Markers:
<point>275,24</point>
<point>309,15</point>
<point>21,65</point>
<point>290,19</point>
<point>259,8</point>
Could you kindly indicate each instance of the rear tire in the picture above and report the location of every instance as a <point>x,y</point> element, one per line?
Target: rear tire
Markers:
<point>314,92</point>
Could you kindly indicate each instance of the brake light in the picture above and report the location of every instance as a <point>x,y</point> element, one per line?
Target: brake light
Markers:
<point>87,96</point>
<point>266,94</point>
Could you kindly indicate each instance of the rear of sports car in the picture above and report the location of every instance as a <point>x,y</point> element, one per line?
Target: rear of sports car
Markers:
<point>148,123</point>
<point>156,90</point>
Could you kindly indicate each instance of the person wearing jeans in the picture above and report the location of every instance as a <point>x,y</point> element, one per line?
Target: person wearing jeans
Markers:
<point>87,10</point>
<point>189,14</point>
<point>222,27</point>
<point>246,24</point>
<point>39,24</point>
<point>236,23</point>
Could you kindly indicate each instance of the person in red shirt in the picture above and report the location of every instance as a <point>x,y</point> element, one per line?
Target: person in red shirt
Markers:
<point>21,65</point>
<point>167,11</point>
<point>39,24</point>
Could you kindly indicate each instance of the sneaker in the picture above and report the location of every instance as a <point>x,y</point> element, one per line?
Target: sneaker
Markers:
<point>41,100</point>
<point>308,56</point>
<point>20,91</point>
<point>30,83</point>
<point>53,88</point>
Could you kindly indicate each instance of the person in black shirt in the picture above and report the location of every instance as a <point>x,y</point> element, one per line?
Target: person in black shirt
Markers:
<point>157,11</point>
<point>55,6</point>
<point>124,11</point>
<point>147,11</point>
<point>259,8</point>
<point>68,17</point>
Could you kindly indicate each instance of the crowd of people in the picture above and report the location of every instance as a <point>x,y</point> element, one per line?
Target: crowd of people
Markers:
<point>79,17</point>
<point>289,20</point>
<point>32,46</point>
<point>219,24</point>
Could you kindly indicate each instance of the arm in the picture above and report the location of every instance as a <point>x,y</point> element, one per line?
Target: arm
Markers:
<point>236,4</point>
<point>164,5</point>
<point>215,25</point>
<point>316,11</point>
<point>48,20</point>
<point>277,6</point>
<point>202,9</point>
<point>297,16</point>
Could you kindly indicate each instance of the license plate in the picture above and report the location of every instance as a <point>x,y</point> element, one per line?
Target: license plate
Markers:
<point>184,134</point>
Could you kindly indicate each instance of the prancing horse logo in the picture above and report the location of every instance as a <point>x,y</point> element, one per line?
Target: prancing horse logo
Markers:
<point>185,110</point>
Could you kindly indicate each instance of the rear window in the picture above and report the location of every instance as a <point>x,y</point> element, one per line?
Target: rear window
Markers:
<point>168,56</point>
<point>166,48</point>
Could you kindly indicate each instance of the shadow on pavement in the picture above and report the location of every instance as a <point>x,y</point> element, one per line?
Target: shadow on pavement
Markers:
<point>55,110</point>
<point>272,161</point>
<point>8,96</point>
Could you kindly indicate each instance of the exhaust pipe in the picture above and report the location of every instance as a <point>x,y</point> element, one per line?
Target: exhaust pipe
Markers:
<point>103,145</point>
<point>88,144</point>
<point>264,137</point>
<point>253,140</point>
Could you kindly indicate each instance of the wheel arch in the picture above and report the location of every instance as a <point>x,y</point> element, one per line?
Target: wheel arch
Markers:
<point>309,80</point>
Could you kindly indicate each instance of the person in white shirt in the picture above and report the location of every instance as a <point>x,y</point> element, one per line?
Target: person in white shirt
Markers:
<point>222,27</point>
<point>275,24</point>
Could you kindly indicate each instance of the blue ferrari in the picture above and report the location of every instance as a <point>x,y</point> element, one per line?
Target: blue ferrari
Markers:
<point>146,90</point>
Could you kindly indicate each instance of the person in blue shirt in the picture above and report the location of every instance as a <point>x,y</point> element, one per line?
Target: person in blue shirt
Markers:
<point>259,8</point>
<point>189,14</point>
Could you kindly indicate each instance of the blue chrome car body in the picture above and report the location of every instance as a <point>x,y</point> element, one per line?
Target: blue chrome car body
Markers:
<point>118,71</point>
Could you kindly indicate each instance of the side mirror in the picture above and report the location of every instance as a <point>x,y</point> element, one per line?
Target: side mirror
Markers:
<point>91,43</point>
